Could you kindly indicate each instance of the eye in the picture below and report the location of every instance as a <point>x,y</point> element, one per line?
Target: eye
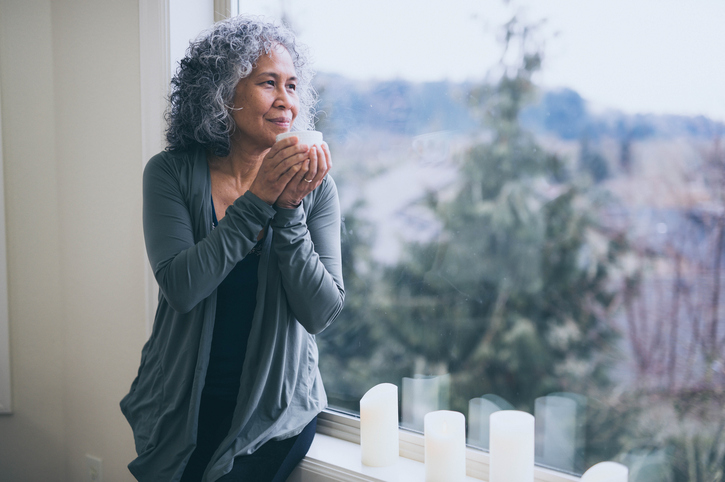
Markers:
<point>292,86</point>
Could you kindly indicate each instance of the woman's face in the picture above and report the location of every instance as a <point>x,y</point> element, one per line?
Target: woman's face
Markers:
<point>266,102</point>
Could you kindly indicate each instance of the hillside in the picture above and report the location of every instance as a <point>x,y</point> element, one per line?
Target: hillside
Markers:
<point>406,108</point>
<point>396,141</point>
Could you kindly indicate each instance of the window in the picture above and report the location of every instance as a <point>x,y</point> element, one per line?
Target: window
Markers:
<point>533,219</point>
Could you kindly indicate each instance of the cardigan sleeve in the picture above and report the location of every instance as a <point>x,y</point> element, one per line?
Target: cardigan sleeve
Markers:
<point>310,261</point>
<point>188,270</point>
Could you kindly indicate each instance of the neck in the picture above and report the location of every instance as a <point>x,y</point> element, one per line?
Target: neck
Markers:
<point>241,165</point>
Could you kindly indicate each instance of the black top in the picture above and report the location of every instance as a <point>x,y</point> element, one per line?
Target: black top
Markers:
<point>236,300</point>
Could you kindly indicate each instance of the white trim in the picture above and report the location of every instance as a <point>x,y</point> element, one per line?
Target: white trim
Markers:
<point>335,455</point>
<point>155,73</point>
<point>312,469</point>
<point>222,9</point>
<point>5,386</point>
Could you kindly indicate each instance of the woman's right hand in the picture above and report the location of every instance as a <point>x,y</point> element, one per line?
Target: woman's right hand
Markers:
<point>282,162</point>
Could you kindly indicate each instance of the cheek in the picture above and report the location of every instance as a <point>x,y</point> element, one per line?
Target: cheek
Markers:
<point>238,115</point>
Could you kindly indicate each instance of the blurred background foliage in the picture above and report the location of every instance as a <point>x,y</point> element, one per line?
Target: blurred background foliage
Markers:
<point>539,273</point>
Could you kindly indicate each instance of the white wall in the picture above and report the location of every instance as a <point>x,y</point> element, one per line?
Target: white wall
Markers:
<point>187,19</point>
<point>69,73</point>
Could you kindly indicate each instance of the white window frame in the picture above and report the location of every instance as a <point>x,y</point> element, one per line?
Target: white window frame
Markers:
<point>5,386</point>
<point>155,75</point>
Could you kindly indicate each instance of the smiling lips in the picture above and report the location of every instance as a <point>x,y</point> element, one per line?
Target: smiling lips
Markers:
<point>283,122</point>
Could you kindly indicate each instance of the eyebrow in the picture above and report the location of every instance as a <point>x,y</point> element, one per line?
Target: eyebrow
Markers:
<point>275,75</point>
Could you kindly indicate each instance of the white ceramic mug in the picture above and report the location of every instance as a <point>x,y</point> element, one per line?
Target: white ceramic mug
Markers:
<point>310,138</point>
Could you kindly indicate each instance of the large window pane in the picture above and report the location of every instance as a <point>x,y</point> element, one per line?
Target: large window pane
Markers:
<point>533,219</point>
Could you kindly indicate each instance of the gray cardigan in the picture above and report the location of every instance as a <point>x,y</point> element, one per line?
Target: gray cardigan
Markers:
<point>300,293</point>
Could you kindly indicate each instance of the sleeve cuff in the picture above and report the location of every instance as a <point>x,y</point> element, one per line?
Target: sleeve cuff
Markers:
<point>288,217</point>
<point>258,207</point>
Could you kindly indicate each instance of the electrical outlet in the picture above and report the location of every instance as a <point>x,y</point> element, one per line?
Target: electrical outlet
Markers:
<point>95,468</point>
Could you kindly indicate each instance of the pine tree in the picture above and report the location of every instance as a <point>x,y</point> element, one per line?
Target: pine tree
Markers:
<point>509,299</point>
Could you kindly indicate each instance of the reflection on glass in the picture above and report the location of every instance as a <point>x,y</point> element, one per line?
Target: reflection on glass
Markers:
<point>560,431</point>
<point>653,466</point>
<point>422,395</point>
<point>479,413</point>
<point>606,472</point>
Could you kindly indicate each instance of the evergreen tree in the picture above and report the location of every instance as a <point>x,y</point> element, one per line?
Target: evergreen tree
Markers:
<point>508,299</point>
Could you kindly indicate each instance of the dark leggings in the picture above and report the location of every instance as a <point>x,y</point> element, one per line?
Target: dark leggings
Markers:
<point>272,462</point>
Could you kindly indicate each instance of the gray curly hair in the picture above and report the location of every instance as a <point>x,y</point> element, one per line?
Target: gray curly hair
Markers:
<point>202,91</point>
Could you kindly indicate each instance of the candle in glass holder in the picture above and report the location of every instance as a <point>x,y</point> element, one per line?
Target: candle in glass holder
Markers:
<point>379,426</point>
<point>445,446</point>
<point>606,472</point>
<point>511,447</point>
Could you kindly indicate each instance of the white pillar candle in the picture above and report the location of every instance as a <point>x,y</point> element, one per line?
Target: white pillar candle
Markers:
<point>606,472</point>
<point>511,447</point>
<point>445,446</point>
<point>379,426</point>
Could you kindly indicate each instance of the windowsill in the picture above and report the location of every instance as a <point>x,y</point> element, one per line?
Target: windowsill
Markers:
<point>330,458</point>
<point>335,456</point>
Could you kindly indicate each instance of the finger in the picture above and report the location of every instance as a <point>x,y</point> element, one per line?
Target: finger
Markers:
<point>282,150</point>
<point>288,151</point>
<point>321,166</point>
<point>327,156</point>
<point>277,158</point>
<point>299,178</point>
<point>281,145</point>
<point>290,173</point>
<point>293,161</point>
<point>314,162</point>
<point>325,163</point>
<point>288,141</point>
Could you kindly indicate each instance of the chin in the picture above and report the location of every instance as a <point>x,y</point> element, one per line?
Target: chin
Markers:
<point>270,141</point>
<point>275,132</point>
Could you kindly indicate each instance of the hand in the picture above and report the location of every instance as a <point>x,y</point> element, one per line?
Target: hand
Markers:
<point>308,178</point>
<point>281,164</point>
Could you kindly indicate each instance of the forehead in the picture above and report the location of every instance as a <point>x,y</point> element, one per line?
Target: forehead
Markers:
<point>278,60</point>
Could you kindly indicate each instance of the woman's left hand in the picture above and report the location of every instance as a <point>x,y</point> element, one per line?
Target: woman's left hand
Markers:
<point>307,179</point>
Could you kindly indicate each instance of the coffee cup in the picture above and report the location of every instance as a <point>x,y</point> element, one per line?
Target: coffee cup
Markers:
<point>309,138</point>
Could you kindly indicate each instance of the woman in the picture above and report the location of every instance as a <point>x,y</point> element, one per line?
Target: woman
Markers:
<point>242,233</point>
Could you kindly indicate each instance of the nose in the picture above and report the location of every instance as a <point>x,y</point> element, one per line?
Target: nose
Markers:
<point>283,98</point>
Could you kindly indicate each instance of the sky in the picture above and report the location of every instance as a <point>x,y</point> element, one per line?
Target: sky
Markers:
<point>638,56</point>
